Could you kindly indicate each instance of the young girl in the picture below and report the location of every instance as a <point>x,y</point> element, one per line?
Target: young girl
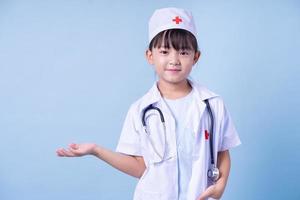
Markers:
<point>175,138</point>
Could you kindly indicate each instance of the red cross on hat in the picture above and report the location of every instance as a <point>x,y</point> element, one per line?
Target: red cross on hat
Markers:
<point>177,20</point>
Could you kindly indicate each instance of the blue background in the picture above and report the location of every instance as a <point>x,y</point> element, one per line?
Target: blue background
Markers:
<point>69,71</point>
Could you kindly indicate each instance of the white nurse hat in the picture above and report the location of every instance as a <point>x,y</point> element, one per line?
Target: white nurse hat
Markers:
<point>171,18</point>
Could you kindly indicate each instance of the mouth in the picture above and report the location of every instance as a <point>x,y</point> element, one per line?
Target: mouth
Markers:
<point>173,70</point>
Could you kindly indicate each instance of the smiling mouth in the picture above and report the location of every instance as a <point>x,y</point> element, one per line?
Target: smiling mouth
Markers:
<point>173,70</point>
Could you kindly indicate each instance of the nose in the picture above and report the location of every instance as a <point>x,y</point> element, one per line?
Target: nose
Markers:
<point>174,59</point>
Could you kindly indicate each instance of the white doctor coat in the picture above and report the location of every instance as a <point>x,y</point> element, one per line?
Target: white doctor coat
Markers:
<point>160,179</point>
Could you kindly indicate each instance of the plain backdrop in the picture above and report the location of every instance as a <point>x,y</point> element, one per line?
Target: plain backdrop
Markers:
<point>70,69</point>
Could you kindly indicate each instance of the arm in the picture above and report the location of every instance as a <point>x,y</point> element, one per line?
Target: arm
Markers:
<point>215,191</point>
<point>132,165</point>
<point>224,167</point>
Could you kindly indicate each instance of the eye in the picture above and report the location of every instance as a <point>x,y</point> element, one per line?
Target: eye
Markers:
<point>184,53</point>
<point>164,52</point>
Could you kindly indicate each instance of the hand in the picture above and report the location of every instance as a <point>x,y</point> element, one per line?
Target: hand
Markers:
<point>77,150</point>
<point>215,191</point>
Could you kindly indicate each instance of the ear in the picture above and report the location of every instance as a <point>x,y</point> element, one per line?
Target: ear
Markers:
<point>149,56</point>
<point>197,56</point>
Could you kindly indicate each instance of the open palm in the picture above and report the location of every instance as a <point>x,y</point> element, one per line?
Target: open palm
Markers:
<point>76,150</point>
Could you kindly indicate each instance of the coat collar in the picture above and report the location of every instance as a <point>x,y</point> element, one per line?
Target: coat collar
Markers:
<point>153,95</point>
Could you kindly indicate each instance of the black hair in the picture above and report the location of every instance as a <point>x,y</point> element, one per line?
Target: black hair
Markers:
<point>179,39</point>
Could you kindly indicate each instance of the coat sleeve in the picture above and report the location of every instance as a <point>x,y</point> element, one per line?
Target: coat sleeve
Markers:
<point>129,142</point>
<point>229,135</point>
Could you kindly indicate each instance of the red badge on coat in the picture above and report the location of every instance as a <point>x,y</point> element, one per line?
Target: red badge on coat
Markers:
<point>206,135</point>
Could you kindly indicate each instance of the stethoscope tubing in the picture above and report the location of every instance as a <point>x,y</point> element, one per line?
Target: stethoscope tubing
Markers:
<point>211,139</point>
<point>151,107</point>
<point>213,171</point>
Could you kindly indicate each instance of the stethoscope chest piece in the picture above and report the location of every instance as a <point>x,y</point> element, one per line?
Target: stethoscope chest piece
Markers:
<point>213,173</point>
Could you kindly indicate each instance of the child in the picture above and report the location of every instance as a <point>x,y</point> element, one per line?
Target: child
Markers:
<point>175,138</point>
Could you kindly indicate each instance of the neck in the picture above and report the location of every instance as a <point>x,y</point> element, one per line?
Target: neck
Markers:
<point>174,91</point>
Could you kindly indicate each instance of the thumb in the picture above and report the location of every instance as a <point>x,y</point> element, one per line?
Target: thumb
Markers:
<point>207,193</point>
<point>73,146</point>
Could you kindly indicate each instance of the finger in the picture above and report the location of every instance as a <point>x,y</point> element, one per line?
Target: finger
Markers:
<point>73,146</point>
<point>67,153</point>
<point>59,152</point>
<point>75,152</point>
<point>207,193</point>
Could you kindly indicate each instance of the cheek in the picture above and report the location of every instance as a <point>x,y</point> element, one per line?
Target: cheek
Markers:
<point>158,69</point>
<point>188,63</point>
<point>160,63</point>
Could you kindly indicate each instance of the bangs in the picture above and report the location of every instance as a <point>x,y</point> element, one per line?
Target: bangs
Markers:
<point>179,39</point>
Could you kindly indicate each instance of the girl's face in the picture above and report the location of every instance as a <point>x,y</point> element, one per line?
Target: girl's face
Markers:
<point>172,66</point>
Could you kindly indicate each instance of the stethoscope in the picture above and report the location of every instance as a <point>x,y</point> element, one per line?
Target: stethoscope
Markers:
<point>213,172</point>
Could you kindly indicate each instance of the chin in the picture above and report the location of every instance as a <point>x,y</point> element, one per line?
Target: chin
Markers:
<point>174,80</point>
